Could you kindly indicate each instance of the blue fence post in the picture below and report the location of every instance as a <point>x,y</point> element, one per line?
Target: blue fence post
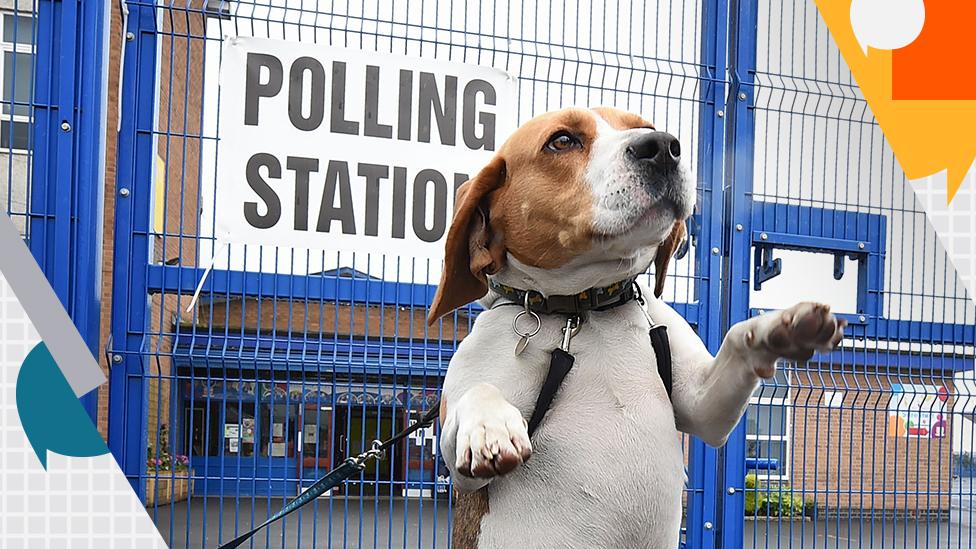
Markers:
<point>70,85</point>
<point>91,128</point>
<point>711,149</point>
<point>740,151</point>
<point>128,405</point>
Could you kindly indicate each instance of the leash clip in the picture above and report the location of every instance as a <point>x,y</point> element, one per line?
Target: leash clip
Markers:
<point>375,452</point>
<point>639,298</point>
<point>571,329</point>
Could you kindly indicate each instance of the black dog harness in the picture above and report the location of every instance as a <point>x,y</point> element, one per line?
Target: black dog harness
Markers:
<point>575,307</point>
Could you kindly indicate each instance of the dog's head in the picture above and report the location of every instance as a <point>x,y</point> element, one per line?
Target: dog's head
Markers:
<point>574,199</point>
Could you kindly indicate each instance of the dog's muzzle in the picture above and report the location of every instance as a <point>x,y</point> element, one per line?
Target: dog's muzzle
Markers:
<point>656,156</point>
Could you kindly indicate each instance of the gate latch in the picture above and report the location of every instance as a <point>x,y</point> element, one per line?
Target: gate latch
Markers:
<point>766,267</point>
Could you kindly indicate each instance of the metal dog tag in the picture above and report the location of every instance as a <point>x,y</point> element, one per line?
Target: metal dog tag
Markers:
<point>523,341</point>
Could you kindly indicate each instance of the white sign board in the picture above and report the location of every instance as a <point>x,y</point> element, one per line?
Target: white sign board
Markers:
<point>918,411</point>
<point>327,149</point>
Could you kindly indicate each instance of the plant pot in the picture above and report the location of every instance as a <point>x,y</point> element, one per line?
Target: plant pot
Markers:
<point>168,487</point>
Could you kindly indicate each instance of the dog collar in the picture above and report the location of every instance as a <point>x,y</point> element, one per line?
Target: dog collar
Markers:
<point>593,299</point>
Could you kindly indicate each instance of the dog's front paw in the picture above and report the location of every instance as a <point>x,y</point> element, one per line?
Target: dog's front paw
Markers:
<point>492,441</point>
<point>796,333</point>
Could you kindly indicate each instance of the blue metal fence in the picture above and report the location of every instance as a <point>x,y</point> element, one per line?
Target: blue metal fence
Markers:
<point>862,438</point>
<point>52,139</point>
<point>274,374</point>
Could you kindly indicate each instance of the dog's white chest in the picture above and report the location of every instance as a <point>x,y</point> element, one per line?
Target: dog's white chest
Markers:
<point>607,465</point>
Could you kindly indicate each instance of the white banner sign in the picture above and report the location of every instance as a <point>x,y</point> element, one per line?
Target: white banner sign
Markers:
<point>918,411</point>
<point>323,148</point>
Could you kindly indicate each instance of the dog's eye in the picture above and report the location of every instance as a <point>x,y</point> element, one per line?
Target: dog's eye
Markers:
<point>562,142</point>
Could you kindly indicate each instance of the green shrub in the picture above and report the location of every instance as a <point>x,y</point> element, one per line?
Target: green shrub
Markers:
<point>774,499</point>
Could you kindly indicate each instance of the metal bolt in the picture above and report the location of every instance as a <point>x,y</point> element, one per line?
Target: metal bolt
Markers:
<point>731,491</point>
<point>116,358</point>
<point>124,191</point>
<point>742,96</point>
<point>708,525</point>
<point>129,37</point>
<point>65,126</point>
<point>860,245</point>
<point>715,251</point>
<point>862,318</point>
<point>763,236</point>
<point>720,114</point>
<point>738,227</point>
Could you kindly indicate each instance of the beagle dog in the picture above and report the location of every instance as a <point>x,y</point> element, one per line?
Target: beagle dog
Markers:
<point>576,201</point>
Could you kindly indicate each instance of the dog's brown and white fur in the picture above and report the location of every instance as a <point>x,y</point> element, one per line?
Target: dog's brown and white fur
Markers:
<point>578,199</point>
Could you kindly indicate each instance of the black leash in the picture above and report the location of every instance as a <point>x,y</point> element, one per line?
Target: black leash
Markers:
<point>560,364</point>
<point>349,467</point>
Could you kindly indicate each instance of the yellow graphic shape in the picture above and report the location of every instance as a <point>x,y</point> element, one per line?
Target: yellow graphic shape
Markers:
<point>927,136</point>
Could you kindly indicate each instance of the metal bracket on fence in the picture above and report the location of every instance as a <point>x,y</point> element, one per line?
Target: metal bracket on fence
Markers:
<point>766,266</point>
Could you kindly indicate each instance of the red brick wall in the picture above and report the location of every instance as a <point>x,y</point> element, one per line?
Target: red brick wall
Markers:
<point>844,458</point>
<point>297,318</point>
<point>179,148</point>
<point>108,234</point>
<point>180,104</point>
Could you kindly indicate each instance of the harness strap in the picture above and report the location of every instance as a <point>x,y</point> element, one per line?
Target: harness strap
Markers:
<point>662,352</point>
<point>560,363</point>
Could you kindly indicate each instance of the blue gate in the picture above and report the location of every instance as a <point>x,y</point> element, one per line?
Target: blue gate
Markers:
<point>52,124</point>
<point>856,447</point>
<point>239,374</point>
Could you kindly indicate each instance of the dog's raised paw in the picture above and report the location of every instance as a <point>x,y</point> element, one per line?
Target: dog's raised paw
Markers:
<point>492,444</point>
<point>796,333</point>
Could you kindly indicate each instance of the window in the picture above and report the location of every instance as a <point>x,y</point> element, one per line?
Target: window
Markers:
<point>17,67</point>
<point>768,428</point>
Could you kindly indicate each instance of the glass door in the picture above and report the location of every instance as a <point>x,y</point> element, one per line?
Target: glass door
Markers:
<point>316,446</point>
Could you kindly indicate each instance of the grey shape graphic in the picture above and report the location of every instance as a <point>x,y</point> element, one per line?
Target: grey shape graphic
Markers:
<point>46,312</point>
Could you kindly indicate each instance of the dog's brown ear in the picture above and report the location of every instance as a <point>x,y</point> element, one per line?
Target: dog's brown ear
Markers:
<point>473,250</point>
<point>665,251</point>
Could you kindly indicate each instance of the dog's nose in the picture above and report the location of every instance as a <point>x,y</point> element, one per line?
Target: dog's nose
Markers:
<point>661,149</point>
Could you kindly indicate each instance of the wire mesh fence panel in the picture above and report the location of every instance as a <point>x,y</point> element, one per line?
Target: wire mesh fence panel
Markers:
<point>19,37</point>
<point>857,448</point>
<point>272,349</point>
<point>51,127</point>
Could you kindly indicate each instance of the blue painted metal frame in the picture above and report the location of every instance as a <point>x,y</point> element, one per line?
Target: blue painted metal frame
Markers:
<point>821,230</point>
<point>740,150</point>
<point>903,363</point>
<point>360,357</point>
<point>799,228</point>
<point>70,90</point>
<point>90,127</point>
<point>133,213</point>
<point>862,326</point>
<point>174,279</point>
<point>702,459</point>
